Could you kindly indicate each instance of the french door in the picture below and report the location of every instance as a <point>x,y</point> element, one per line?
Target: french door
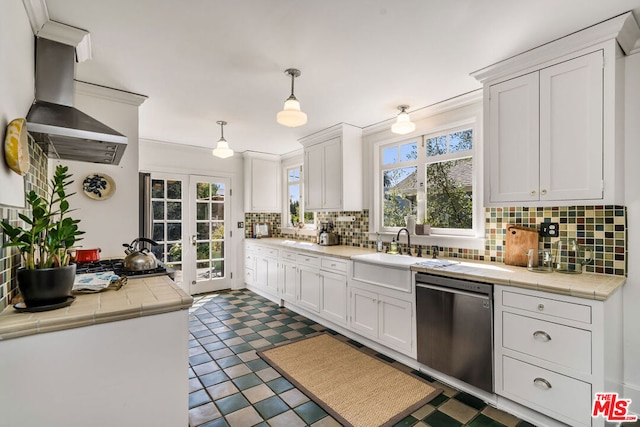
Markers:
<point>189,216</point>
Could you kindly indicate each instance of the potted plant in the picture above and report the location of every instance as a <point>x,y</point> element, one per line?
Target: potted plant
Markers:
<point>46,277</point>
<point>424,228</point>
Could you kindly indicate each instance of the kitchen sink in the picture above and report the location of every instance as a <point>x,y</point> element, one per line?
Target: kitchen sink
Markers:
<point>389,260</point>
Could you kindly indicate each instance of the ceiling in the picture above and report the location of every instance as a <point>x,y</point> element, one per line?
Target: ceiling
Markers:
<point>200,61</point>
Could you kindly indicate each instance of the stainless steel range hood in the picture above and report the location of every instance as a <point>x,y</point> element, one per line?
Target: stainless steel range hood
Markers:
<point>60,129</point>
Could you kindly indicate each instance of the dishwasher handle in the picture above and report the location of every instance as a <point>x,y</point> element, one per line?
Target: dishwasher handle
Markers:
<point>453,291</point>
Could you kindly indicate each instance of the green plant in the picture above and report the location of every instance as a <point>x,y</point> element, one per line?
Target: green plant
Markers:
<point>49,232</point>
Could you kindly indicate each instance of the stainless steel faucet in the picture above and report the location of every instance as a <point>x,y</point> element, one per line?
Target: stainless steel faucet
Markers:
<point>408,241</point>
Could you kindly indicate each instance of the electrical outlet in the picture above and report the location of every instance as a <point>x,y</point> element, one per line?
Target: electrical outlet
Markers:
<point>240,224</point>
<point>549,229</point>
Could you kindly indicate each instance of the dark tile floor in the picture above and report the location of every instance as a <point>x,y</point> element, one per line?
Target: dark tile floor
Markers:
<point>231,386</point>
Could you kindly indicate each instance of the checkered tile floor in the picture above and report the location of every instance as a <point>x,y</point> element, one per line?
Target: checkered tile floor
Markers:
<point>231,386</point>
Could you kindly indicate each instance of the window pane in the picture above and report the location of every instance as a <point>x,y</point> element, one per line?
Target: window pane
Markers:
<point>294,204</point>
<point>202,211</point>
<point>158,232</point>
<point>202,190</point>
<point>409,151</point>
<point>202,230</point>
<point>174,210</point>
<point>309,218</point>
<point>158,210</point>
<point>436,146</point>
<point>174,190</point>
<point>157,189</point>
<point>217,191</point>
<point>294,175</point>
<point>399,195</point>
<point>461,141</point>
<point>174,231</point>
<point>175,252</point>
<point>202,250</point>
<point>390,156</point>
<point>217,211</point>
<point>449,194</point>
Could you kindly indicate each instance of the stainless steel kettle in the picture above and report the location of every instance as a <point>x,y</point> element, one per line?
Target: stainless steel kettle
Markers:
<point>139,259</point>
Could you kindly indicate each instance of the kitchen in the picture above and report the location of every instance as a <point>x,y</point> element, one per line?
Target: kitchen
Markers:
<point>124,111</point>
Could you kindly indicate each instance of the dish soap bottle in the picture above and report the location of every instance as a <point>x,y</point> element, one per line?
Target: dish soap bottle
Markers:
<point>393,248</point>
<point>378,243</point>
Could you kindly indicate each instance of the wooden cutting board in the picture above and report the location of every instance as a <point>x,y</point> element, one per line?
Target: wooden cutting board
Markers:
<point>518,241</point>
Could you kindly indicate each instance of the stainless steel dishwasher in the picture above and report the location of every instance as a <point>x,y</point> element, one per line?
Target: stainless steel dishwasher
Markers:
<point>455,328</point>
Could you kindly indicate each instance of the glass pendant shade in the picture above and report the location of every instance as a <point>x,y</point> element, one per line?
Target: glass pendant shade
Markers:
<point>403,124</point>
<point>222,150</point>
<point>291,115</point>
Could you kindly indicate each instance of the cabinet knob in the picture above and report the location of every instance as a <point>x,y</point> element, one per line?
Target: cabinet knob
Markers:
<point>542,336</point>
<point>540,307</point>
<point>542,383</point>
<point>543,192</point>
<point>533,192</point>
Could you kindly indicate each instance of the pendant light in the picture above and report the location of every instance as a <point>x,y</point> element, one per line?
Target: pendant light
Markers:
<point>403,124</point>
<point>291,115</point>
<point>222,150</point>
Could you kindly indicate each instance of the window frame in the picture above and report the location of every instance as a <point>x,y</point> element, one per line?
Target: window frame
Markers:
<point>286,225</point>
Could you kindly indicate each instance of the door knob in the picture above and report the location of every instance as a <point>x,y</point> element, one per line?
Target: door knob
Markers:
<point>193,240</point>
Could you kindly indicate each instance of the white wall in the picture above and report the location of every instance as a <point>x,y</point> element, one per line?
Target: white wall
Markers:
<point>16,87</point>
<point>632,199</point>
<point>163,157</point>
<point>108,223</point>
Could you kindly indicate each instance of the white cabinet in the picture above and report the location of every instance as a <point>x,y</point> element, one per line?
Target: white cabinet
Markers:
<point>333,290</point>
<point>545,134</point>
<point>553,352</point>
<point>333,169</point>
<point>383,318</point>
<point>266,273</point>
<point>552,127</point>
<point>249,264</point>
<point>261,182</point>
<point>309,282</point>
<point>288,276</point>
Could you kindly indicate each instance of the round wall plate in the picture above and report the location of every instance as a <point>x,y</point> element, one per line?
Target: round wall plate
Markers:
<point>98,186</point>
<point>16,147</point>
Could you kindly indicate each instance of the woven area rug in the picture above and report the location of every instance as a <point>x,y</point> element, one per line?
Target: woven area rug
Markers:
<point>352,386</point>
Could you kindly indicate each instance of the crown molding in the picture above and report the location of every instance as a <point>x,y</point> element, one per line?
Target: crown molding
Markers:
<point>622,28</point>
<point>37,13</point>
<point>108,93</point>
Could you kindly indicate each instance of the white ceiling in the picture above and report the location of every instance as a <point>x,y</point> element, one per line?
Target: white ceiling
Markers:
<point>200,61</point>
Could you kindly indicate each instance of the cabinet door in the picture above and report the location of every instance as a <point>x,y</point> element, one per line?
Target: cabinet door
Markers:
<point>313,185</point>
<point>396,323</point>
<point>333,297</point>
<point>272,275</point>
<point>364,312</point>
<point>332,192</point>
<point>571,129</point>
<point>261,272</point>
<point>309,288</point>
<point>288,281</point>
<point>264,185</point>
<point>513,155</point>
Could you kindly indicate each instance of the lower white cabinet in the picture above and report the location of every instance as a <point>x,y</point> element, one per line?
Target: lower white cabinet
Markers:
<point>383,318</point>
<point>333,296</point>
<point>266,272</point>
<point>288,281</point>
<point>309,288</point>
<point>554,352</point>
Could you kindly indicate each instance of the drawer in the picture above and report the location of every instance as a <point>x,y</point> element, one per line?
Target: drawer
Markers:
<point>564,345</point>
<point>248,276</point>
<point>308,260</point>
<point>548,391</point>
<point>548,306</point>
<point>288,255</point>
<point>249,260</point>
<point>267,251</point>
<point>334,265</point>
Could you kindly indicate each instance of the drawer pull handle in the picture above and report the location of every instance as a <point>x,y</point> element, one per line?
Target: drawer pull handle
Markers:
<point>542,336</point>
<point>542,383</point>
<point>540,307</point>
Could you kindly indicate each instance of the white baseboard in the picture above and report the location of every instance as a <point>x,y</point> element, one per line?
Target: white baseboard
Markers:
<point>632,391</point>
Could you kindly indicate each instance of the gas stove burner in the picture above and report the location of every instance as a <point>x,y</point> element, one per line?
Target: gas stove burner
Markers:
<point>117,266</point>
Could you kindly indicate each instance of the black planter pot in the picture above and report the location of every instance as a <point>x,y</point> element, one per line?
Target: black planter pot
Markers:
<point>46,286</point>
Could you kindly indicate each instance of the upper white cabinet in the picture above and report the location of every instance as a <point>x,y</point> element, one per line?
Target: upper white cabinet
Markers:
<point>261,182</point>
<point>333,169</point>
<point>552,120</point>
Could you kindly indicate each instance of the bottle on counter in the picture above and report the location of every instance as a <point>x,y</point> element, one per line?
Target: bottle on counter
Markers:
<point>393,247</point>
<point>378,243</point>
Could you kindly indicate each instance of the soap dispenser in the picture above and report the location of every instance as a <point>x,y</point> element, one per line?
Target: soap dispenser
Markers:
<point>378,243</point>
<point>393,248</point>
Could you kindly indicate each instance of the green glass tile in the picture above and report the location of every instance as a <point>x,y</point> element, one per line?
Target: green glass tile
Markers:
<point>241,348</point>
<point>199,359</point>
<point>282,329</point>
<point>232,403</point>
<point>274,339</point>
<point>439,419</point>
<point>310,412</point>
<point>247,381</point>
<point>198,398</point>
<point>270,407</point>
<point>406,422</point>
<point>226,362</point>
<point>279,385</point>
<point>470,400</point>
<point>258,328</point>
<point>439,400</point>
<point>306,331</point>
<point>257,365</point>
<point>251,337</point>
<point>213,378</point>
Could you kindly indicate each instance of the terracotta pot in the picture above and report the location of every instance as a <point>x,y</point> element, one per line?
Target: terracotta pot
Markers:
<point>46,286</point>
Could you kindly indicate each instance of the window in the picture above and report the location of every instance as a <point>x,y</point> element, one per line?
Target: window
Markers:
<point>295,212</point>
<point>431,177</point>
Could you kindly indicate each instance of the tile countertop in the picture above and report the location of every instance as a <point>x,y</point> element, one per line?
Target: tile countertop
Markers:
<point>139,297</point>
<point>338,251</point>
<point>585,285</point>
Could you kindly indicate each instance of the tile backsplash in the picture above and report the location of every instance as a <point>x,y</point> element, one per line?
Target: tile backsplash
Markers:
<point>603,229</point>
<point>35,179</point>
